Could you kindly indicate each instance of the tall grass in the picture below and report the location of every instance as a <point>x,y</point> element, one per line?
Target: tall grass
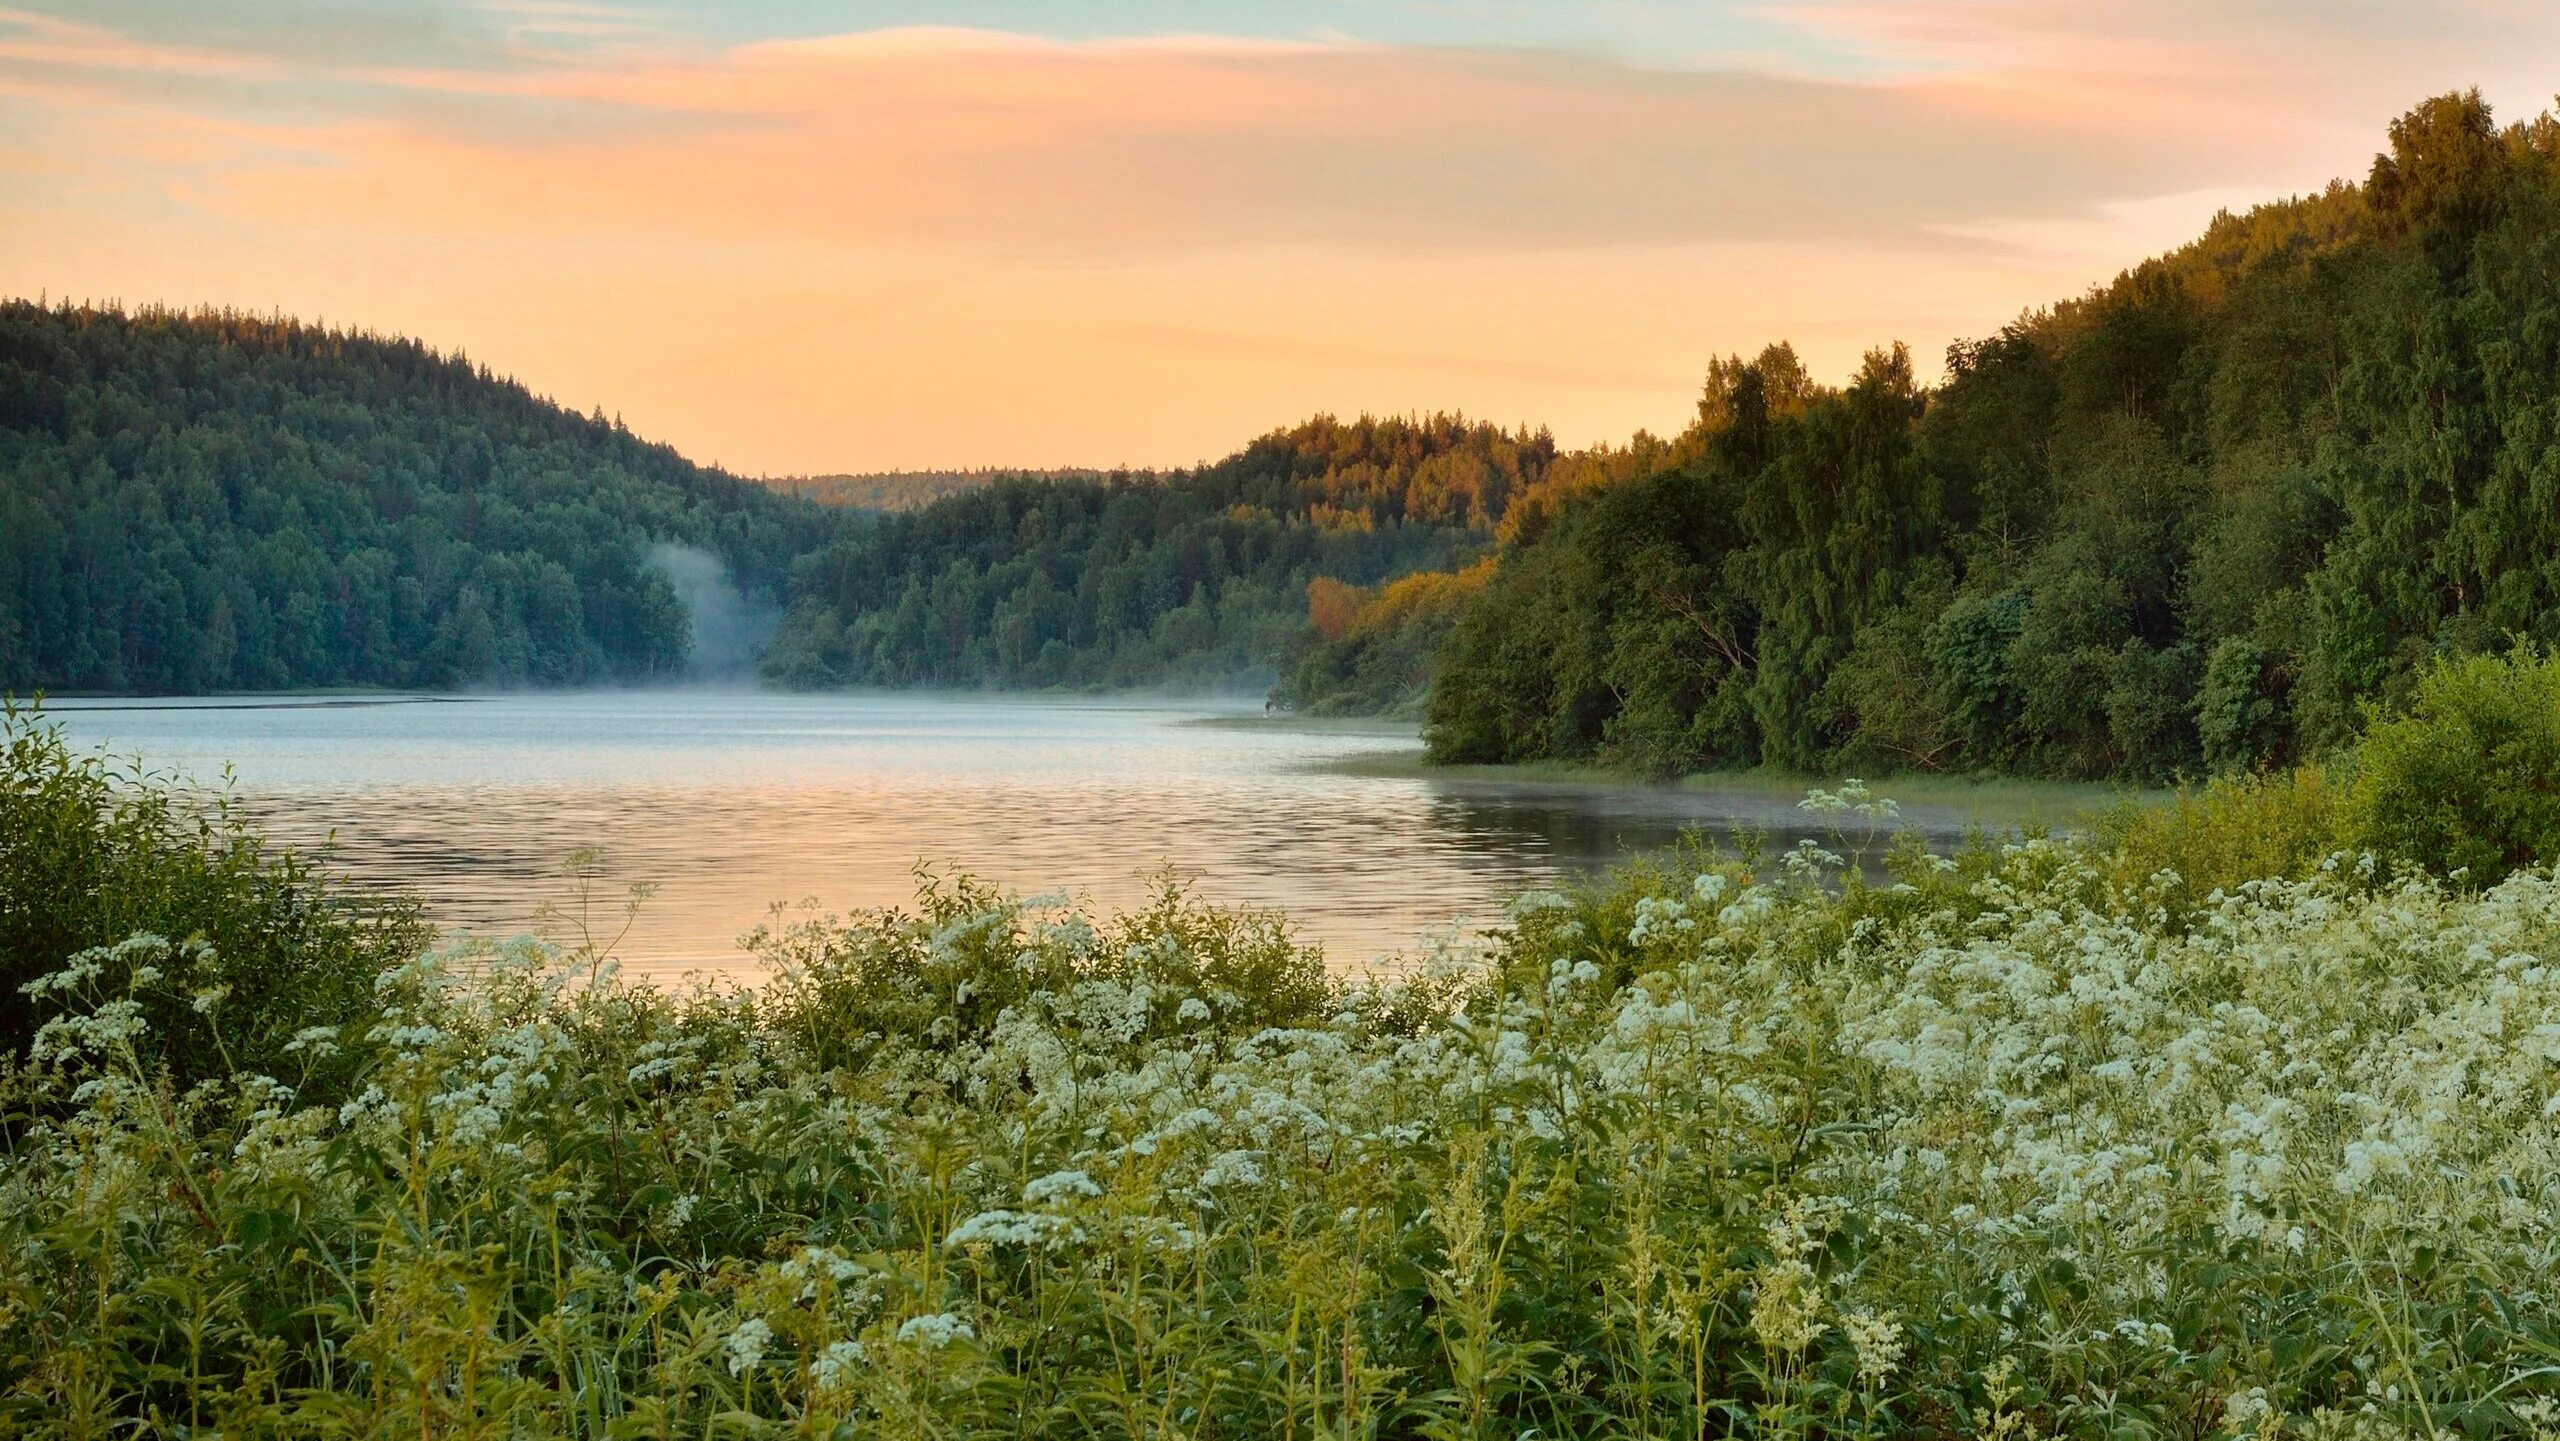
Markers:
<point>1699,1153</point>
<point>2047,1138</point>
<point>94,850</point>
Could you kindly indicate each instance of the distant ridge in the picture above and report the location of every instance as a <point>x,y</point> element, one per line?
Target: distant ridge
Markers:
<point>1194,578</point>
<point>905,490</point>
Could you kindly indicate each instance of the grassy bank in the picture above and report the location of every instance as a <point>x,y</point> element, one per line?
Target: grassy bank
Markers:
<point>2088,1136</point>
<point>1998,801</point>
<point>2001,801</point>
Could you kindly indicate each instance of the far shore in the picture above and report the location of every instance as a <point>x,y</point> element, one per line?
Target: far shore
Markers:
<point>1934,802</point>
<point>248,700</point>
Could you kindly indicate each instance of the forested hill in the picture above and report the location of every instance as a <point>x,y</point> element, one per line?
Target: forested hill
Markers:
<point>1196,576</point>
<point>207,501</point>
<point>2199,519</point>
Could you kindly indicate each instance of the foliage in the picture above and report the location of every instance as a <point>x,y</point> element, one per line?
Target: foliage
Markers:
<point>947,977</point>
<point>2240,708</point>
<point>91,854</point>
<point>2201,844</point>
<point>1194,576</point>
<point>1369,652</point>
<point>2469,779</point>
<point>1619,611</point>
<point>217,501</point>
<point>906,489</point>
<point>1714,1147</point>
<point>2194,522</point>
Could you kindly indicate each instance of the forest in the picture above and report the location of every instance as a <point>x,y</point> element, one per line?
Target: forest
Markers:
<point>2199,520</point>
<point>2202,519</point>
<point>217,501</point>
<point>214,501</point>
<point>1188,577</point>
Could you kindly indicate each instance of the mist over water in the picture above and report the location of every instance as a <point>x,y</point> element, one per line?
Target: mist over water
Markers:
<point>730,629</point>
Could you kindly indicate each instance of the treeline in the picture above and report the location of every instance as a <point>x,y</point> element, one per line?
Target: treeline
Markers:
<point>1190,576</point>
<point>204,501</point>
<point>909,489</point>
<point>2197,520</point>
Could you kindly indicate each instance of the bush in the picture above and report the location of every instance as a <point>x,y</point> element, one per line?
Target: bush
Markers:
<point>2148,712</point>
<point>1968,651</point>
<point>2235,830</point>
<point>945,977</point>
<point>92,854</point>
<point>2469,779</point>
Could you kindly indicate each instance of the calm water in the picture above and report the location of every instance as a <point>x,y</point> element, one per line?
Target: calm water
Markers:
<point>731,802</point>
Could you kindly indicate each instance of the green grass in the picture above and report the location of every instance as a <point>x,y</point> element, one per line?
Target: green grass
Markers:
<point>2037,1139</point>
<point>1694,1153</point>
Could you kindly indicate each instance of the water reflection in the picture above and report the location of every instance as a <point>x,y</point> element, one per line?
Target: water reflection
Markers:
<point>728,803</point>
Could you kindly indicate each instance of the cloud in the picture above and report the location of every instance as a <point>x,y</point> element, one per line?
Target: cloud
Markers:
<point>43,43</point>
<point>960,244</point>
<point>1071,152</point>
<point>494,35</point>
<point>2310,68</point>
<point>1996,112</point>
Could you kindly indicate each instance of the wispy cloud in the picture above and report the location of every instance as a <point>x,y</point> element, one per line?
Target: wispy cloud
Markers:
<point>981,241</point>
<point>49,43</point>
<point>1033,148</point>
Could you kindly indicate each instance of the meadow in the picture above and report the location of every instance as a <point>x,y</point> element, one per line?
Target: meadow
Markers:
<point>2232,1116</point>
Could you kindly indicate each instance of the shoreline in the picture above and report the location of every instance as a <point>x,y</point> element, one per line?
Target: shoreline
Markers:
<point>1930,801</point>
<point>277,700</point>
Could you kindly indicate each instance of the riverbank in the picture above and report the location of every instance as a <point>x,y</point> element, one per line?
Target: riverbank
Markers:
<point>1295,723</point>
<point>1732,1151</point>
<point>255,700</point>
<point>1931,801</point>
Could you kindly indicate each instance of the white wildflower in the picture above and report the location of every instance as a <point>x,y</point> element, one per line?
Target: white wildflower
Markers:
<point>1876,1338</point>
<point>936,1330</point>
<point>837,1366</point>
<point>745,1347</point>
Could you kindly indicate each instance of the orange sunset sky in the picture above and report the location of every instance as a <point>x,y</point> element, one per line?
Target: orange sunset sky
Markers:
<point>801,237</point>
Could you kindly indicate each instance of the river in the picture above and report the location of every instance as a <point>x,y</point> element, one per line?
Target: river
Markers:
<point>727,803</point>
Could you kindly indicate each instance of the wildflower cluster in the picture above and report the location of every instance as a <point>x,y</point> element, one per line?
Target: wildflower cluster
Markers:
<point>2006,1147</point>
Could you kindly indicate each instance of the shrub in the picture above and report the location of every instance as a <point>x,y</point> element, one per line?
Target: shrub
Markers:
<point>2240,709</point>
<point>2148,712</point>
<point>1969,653</point>
<point>944,977</point>
<point>2235,830</point>
<point>92,853</point>
<point>2469,778</point>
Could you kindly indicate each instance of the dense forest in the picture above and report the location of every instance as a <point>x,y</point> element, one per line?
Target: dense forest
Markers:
<point>2197,520</point>
<point>213,500</point>
<point>1196,577</point>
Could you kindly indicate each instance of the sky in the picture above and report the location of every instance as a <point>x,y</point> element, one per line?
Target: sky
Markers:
<point>796,238</point>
